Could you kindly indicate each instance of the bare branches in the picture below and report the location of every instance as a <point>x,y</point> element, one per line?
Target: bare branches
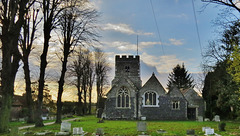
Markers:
<point>229,3</point>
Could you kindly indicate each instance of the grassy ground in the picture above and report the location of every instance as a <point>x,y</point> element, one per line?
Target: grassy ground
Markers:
<point>128,128</point>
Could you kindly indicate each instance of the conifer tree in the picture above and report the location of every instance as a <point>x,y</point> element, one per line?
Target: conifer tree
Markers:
<point>180,78</point>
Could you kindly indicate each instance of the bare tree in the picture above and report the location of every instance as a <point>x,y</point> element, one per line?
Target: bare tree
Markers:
<point>77,26</point>
<point>12,14</point>
<point>101,69</point>
<point>76,72</point>
<point>229,3</point>
<point>26,42</point>
<point>51,10</point>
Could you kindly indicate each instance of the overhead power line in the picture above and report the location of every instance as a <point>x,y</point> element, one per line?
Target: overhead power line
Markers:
<point>196,24</point>
<point>157,27</point>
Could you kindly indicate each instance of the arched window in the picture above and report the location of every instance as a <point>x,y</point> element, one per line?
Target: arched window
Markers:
<point>150,99</point>
<point>123,98</point>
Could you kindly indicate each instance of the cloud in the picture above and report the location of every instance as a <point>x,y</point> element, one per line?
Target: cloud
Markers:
<point>123,28</point>
<point>175,41</point>
<point>182,15</point>
<point>147,44</point>
<point>164,64</point>
<point>126,46</point>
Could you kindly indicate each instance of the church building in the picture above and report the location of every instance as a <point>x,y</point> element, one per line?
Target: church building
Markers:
<point>129,99</point>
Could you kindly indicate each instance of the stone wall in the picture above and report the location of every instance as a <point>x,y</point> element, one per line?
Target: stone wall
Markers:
<point>165,111</point>
<point>112,112</point>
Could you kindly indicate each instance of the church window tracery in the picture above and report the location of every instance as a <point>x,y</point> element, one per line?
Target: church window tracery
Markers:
<point>123,99</point>
<point>150,99</point>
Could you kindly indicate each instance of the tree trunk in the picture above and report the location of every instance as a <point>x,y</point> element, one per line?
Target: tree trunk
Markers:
<point>90,102</point>
<point>10,65</point>
<point>29,100</point>
<point>43,65</point>
<point>79,105</point>
<point>61,84</point>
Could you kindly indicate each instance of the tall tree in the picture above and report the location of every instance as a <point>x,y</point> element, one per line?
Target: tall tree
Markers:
<point>101,69</point>
<point>26,42</point>
<point>77,26</point>
<point>51,10</point>
<point>12,14</point>
<point>76,71</point>
<point>220,91</point>
<point>180,78</point>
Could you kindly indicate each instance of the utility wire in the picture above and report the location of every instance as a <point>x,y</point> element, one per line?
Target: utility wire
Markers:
<point>196,24</point>
<point>157,27</point>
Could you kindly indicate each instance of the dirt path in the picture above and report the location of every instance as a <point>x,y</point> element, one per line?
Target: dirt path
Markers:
<point>45,124</point>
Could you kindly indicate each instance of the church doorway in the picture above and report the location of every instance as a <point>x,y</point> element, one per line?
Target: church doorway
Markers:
<point>191,113</point>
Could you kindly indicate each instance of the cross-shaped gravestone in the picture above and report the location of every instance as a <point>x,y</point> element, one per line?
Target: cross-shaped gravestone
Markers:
<point>141,126</point>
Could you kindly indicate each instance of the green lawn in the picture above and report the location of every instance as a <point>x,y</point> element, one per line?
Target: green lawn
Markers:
<point>128,128</point>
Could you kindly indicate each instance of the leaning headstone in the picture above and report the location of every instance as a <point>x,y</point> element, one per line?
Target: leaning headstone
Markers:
<point>216,118</point>
<point>141,126</point>
<point>200,118</point>
<point>206,119</point>
<point>209,131</point>
<point>191,132</point>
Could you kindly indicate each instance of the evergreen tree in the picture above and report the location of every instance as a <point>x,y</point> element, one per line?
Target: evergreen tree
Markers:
<point>180,78</point>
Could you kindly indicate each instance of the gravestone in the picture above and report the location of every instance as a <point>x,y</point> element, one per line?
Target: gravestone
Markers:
<point>65,129</point>
<point>43,133</point>
<point>44,118</point>
<point>191,132</point>
<point>21,119</point>
<point>200,118</point>
<point>216,118</point>
<point>143,118</point>
<point>209,131</point>
<point>78,131</point>
<point>203,128</point>
<point>206,119</point>
<point>99,132</point>
<point>141,126</point>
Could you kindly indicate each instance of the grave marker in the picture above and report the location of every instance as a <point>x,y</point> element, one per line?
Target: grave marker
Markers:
<point>209,131</point>
<point>141,126</point>
<point>216,118</point>
<point>200,118</point>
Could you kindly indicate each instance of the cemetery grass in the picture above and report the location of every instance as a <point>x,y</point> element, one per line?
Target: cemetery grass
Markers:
<point>129,128</point>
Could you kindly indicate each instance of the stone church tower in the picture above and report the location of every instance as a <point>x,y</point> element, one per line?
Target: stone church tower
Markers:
<point>122,98</point>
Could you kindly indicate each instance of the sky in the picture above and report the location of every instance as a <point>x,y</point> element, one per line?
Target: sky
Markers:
<point>166,31</point>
